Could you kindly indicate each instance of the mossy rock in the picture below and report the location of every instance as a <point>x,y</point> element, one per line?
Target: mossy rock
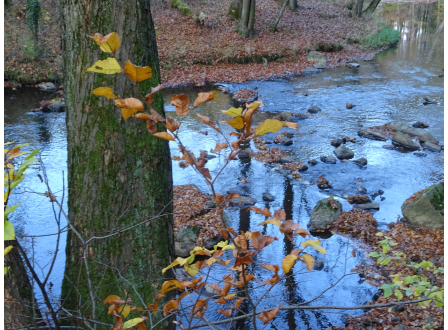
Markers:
<point>324,214</point>
<point>428,210</point>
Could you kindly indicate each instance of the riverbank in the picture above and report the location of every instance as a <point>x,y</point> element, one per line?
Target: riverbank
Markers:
<point>212,51</point>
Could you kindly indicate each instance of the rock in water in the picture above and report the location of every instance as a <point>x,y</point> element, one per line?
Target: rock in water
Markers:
<point>286,116</point>
<point>432,146</point>
<point>267,197</point>
<point>426,210</point>
<point>245,95</point>
<point>420,124</point>
<point>353,65</point>
<point>359,199</point>
<point>360,162</point>
<point>312,162</point>
<point>314,109</point>
<point>343,152</point>
<point>323,183</point>
<point>47,87</point>
<point>368,206</point>
<point>371,134</point>
<point>405,141</point>
<point>324,213</point>
<point>241,202</point>
<point>187,234</point>
<point>336,142</point>
<point>328,159</point>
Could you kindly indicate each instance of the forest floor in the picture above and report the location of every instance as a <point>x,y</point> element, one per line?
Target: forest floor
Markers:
<point>192,53</point>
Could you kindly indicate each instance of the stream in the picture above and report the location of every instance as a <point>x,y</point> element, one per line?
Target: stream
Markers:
<point>390,87</point>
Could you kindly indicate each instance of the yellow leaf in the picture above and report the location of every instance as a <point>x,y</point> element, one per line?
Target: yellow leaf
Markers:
<point>132,323</point>
<point>204,97</point>
<point>237,122</point>
<point>126,113</point>
<point>108,66</point>
<point>273,221</point>
<point>137,73</point>
<point>314,244</point>
<point>191,269</point>
<point>233,112</point>
<point>124,310</point>
<point>229,247</point>
<point>130,103</point>
<point>109,43</point>
<point>110,299</point>
<point>182,104</point>
<point>104,91</point>
<point>170,266</point>
<point>308,260</point>
<point>164,135</point>
<point>288,263</point>
<point>289,124</point>
<point>7,249</point>
<point>254,105</point>
<point>269,125</point>
<point>169,285</point>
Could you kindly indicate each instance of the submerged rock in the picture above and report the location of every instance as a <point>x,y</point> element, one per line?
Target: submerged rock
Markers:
<point>420,154</point>
<point>301,116</point>
<point>286,159</point>
<point>324,214</point>
<point>312,162</point>
<point>360,162</point>
<point>336,142</point>
<point>372,134</point>
<point>286,115</point>
<point>432,146</point>
<point>242,202</point>
<point>343,152</point>
<point>420,124</point>
<point>246,153</point>
<point>314,109</point>
<point>405,141</point>
<point>359,199</point>
<point>267,197</point>
<point>328,159</point>
<point>428,209</point>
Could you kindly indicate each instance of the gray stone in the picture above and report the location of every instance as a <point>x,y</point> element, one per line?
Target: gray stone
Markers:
<point>302,116</point>
<point>57,106</point>
<point>316,56</point>
<point>313,162</point>
<point>209,291</point>
<point>318,265</point>
<point>320,65</point>
<point>246,153</point>
<point>209,156</point>
<point>432,146</point>
<point>187,234</point>
<point>328,159</point>
<point>368,206</point>
<point>182,249</point>
<point>314,109</point>
<point>428,210</point>
<point>302,168</point>
<point>212,242</point>
<point>423,134</point>
<point>398,126</point>
<point>343,152</point>
<point>242,202</point>
<point>353,65</point>
<point>283,140</point>
<point>289,134</point>
<point>371,134</point>
<point>226,219</point>
<point>286,116</point>
<point>267,197</point>
<point>310,70</point>
<point>420,124</point>
<point>405,141</point>
<point>286,159</point>
<point>360,162</point>
<point>362,190</point>
<point>47,87</point>
<point>336,142</point>
<point>420,154</point>
<point>324,214</point>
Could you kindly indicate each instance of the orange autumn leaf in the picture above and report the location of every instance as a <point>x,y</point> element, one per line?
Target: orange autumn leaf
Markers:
<point>108,43</point>
<point>204,97</point>
<point>219,199</point>
<point>257,210</point>
<point>111,299</point>
<point>169,285</point>
<point>151,126</point>
<point>164,135</point>
<point>288,226</point>
<point>224,234</point>
<point>170,306</point>
<point>208,122</point>
<point>275,278</point>
<point>266,317</point>
<point>238,302</point>
<point>130,103</point>
<point>156,116</point>
<point>182,104</point>
<point>273,221</point>
<point>289,124</point>
<point>232,196</point>
<point>149,97</point>
<point>219,146</point>
<point>142,115</point>
<point>171,125</point>
<point>272,268</point>
<point>137,73</point>
<point>280,215</point>
<point>243,261</point>
<point>104,91</point>
<point>225,312</point>
<point>296,251</point>
<point>265,241</point>
<point>112,308</point>
<point>302,232</point>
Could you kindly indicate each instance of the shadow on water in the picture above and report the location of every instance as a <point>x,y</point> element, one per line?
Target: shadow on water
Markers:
<point>391,87</point>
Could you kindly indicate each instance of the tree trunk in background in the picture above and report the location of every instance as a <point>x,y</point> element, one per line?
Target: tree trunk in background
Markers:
<point>280,14</point>
<point>118,173</point>
<point>359,6</point>
<point>246,27</point>
<point>20,307</point>
<point>293,5</point>
<point>235,9</point>
<point>372,6</point>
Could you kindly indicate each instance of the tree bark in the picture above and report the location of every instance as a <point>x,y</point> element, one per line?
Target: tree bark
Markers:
<point>372,6</point>
<point>235,9</point>
<point>359,6</point>
<point>118,173</point>
<point>246,27</point>
<point>280,14</point>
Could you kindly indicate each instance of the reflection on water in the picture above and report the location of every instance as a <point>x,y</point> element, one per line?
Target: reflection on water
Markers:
<point>390,87</point>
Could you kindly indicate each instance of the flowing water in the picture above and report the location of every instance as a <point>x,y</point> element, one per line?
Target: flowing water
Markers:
<point>391,87</point>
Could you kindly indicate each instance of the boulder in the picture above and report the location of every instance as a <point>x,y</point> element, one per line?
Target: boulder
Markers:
<point>353,65</point>
<point>314,56</point>
<point>324,214</point>
<point>267,197</point>
<point>428,209</point>
<point>47,87</point>
<point>422,134</point>
<point>302,168</point>
<point>342,152</point>
<point>371,134</point>
<point>314,109</point>
<point>242,202</point>
<point>182,249</point>
<point>432,146</point>
<point>405,141</point>
<point>286,115</point>
<point>367,206</point>
<point>328,159</point>
<point>187,234</point>
<point>336,142</point>
<point>398,126</point>
<point>420,124</point>
<point>360,162</point>
<point>57,106</point>
<point>312,162</point>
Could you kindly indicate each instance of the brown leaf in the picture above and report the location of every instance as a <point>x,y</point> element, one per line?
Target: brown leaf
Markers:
<point>151,127</point>
<point>288,226</point>
<point>204,97</point>
<point>265,241</point>
<point>280,215</point>
<point>225,312</point>
<point>142,115</point>
<point>266,317</point>
<point>296,251</point>
<point>302,232</point>
<point>207,121</point>
<point>354,253</point>
<point>243,261</point>
<point>149,97</point>
<point>275,278</point>
<point>289,124</point>
<point>172,125</point>
<point>156,116</point>
<point>111,299</point>
<point>238,302</point>
<point>164,135</point>
<point>205,172</point>
<point>257,210</point>
<point>137,73</point>
<point>232,196</point>
<point>233,154</point>
<point>272,268</point>
<point>130,103</point>
<point>224,234</point>
<point>170,306</point>
<point>232,231</point>
<point>182,104</point>
<point>219,147</point>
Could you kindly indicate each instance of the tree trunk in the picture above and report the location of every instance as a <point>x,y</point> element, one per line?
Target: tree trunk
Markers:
<point>293,5</point>
<point>235,9</point>
<point>118,174</point>
<point>372,6</point>
<point>280,14</point>
<point>246,27</point>
<point>359,6</point>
